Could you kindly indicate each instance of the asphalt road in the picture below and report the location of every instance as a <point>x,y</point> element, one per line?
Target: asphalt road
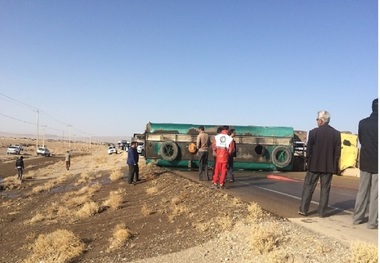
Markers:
<point>280,193</point>
<point>30,163</point>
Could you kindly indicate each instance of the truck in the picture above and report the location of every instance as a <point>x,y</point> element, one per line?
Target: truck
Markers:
<point>258,147</point>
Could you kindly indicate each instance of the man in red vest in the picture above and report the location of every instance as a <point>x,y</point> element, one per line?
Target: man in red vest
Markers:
<point>223,148</point>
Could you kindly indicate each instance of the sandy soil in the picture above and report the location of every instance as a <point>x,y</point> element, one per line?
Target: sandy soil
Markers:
<point>169,218</point>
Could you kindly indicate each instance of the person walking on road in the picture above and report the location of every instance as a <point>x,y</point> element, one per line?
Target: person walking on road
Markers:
<point>20,167</point>
<point>203,143</point>
<point>67,160</point>
<point>322,157</point>
<point>133,164</point>
<point>368,165</point>
<point>230,171</point>
<point>223,148</point>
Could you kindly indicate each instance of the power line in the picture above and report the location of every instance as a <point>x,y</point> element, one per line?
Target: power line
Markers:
<point>18,102</point>
<point>27,122</point>
<point>37,110</point>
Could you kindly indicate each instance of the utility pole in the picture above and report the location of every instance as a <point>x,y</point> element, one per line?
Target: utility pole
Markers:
<point>43,140</point>
<point>38,129</point>
<point>69,135</point>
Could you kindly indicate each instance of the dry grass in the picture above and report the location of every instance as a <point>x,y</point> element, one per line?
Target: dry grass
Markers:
<point>152,190</point>
<point>364,253</point>
<point>225,222</point>
<point>84,178</point>
<point>115,199</point>
<point>87,210</point>
<point>59,246</point>
<point>49,185</point>
<point>120,236</point>
<point>77,200</point>
<point>266,237</point>
<point>11,182</point>
<point>38,217</point>
<point>145,210</point>
<point>116,175</point>
<point>255,212</point>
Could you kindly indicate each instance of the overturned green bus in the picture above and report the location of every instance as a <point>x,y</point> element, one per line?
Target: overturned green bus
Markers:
<point>258,147</point>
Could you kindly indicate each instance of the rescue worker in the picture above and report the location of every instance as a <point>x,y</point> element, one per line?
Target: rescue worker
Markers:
<point>223,148</point>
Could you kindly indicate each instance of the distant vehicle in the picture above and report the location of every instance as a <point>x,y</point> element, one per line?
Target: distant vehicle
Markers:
<point>13,149</point>
<point>19,146</point>
<point>43,151</point>
<point>140,147</point>
<point>112,149</point>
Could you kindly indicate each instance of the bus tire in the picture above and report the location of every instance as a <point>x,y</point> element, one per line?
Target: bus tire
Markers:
<point>169,150</point>
<point>281,156</point>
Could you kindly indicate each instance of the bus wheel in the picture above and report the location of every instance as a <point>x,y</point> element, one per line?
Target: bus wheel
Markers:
<point>169,150</point>
<point>281,156</point>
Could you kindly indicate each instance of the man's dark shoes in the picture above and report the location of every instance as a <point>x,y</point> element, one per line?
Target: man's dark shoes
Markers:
<point>302,213</point>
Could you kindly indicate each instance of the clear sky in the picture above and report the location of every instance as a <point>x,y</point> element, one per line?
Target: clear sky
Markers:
<point>107,68</point>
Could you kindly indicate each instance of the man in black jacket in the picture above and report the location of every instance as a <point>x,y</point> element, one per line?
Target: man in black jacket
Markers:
<point>322,157</point>
<point>368,164</point>
<point>20,167</point>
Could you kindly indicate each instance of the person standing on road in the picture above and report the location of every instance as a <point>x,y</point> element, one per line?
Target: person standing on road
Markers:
<point>368,165</point>
<point>133,164</point>
<point>20,167</point>
<point>230,171</point>
<point>67,160</point>
<point>223,148</point>
<point>203,142</point>
<point>322,156</point>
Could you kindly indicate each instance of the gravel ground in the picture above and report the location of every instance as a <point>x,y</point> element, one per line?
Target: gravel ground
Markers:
<point>297,245</point>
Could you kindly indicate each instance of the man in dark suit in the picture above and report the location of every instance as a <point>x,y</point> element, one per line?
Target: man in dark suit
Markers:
<point>368,164</point>
<point>322,157</point>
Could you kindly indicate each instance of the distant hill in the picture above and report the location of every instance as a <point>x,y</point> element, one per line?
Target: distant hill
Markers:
<point>100,139</point>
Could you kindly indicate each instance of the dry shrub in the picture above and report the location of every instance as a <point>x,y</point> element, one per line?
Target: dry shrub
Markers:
<point>83,190</point>
<point>255,212</point>
<point>63,211</point>
<point>115,199</point>
<point>10,182</point>
<point>87,210</point>
<point>89,190</point>
<point>178,210</point>
<point>266,237</point>
<point>84,178</point>
<point>145,210</point>
<point>59,246</point>
<point>78,200</point>
<point>38,217</point>
<point>41,188</point>
<point>116,175</point>
<point>152,190</point>
<point>49,185</point>
<point>224,222</point>
<point>362,252</point>
<point>237,202</point>
<point>119,237</point>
